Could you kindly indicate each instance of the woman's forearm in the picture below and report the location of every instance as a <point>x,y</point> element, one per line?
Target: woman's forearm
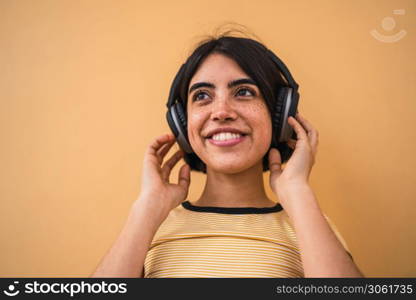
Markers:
<point>322,253</point>
<point>127,255</point>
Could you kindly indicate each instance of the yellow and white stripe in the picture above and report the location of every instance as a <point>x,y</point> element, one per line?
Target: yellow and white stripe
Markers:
<point>206,244</point>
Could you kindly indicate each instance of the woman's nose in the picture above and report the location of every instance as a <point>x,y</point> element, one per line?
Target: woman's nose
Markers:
<point>223,110</point>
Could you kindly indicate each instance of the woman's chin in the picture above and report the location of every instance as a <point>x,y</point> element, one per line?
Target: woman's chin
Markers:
<point>229,167</point>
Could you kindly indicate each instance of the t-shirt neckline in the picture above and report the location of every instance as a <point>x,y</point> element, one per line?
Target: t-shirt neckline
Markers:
<point>232,210</point>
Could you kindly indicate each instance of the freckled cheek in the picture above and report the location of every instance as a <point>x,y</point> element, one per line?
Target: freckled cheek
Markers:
<point>260,122</point>
<point>195,123</point>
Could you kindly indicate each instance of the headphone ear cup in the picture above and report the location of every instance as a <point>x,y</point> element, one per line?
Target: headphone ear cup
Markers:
<point>293,109</point>
<point>182,118</point>
<point>171,122</point>
<point>279,114</point>
<point>282,129</point>
<point>182,128</point>
<point>287,105</point>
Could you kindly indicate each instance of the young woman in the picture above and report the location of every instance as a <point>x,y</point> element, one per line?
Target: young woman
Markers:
<point>228,91</point>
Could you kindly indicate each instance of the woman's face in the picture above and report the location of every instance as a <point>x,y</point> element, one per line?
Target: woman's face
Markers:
<point>217,103</point>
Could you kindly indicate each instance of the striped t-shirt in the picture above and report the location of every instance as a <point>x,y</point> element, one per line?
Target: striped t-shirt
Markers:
<point>197,241</point>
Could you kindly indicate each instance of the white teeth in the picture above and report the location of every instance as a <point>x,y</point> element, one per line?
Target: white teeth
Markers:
<point>223,136</point>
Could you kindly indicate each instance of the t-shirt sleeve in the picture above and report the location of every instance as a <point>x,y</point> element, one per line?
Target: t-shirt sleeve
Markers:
<point>338,234</point>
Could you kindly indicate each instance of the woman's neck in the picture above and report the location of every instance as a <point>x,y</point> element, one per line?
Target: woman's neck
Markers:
<point>245,189</point>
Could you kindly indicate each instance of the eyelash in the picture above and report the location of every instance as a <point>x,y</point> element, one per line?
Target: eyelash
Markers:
<point>194,98</point>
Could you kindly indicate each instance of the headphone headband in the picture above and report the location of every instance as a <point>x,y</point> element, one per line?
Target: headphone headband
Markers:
<point>172,98</point>
<point>284,70</point>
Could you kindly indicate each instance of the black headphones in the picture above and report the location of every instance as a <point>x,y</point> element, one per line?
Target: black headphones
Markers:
<point>286,105</point>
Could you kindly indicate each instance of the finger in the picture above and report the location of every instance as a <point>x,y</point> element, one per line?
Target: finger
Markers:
<point>163,150</point>
<point>292,143</point>
<point>158,143</point>
<point>275,162</point>
<point>275,166</point>
<point>299,130</point>
<point>184,176</point>
<point>312,132</point>
<point>168,165</point>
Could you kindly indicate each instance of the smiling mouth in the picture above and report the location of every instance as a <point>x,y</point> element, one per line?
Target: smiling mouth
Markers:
<point>226,141</point>
<point>225,137</point>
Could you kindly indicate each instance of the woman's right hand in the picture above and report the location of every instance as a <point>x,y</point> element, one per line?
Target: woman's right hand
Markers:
<point>156,192</point>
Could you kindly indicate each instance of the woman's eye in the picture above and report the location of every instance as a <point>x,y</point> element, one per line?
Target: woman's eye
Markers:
<point>245,90</point>
<point>197,96</point>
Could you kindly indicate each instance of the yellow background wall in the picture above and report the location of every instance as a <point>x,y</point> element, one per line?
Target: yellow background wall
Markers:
<point>83,89</point>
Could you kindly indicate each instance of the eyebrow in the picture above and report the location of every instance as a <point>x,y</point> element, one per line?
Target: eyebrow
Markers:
<point>230,84</point>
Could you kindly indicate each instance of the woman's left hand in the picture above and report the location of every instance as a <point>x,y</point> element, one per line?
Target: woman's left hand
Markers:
<point>298,167</point>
